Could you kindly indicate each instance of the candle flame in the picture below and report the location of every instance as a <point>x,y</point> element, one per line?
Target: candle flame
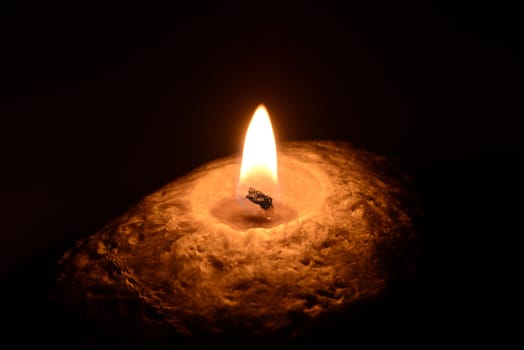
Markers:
<point>259,158</point>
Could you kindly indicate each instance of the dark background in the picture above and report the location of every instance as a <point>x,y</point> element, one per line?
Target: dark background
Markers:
<point>102,105</point>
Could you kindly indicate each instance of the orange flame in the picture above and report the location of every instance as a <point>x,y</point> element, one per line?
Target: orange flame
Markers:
<point>259,158</point>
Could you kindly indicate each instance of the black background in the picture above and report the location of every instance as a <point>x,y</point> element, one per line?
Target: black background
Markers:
<point>104,104</point>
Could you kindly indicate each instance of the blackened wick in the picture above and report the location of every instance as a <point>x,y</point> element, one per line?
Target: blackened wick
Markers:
<point>259,198</point>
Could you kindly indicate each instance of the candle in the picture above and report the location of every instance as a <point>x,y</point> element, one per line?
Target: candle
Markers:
<point>275,242</point>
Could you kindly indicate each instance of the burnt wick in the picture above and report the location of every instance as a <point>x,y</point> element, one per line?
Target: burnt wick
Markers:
<point>260,198</point>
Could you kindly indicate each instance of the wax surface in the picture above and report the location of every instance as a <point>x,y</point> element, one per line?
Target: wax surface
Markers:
<point>171,265</point>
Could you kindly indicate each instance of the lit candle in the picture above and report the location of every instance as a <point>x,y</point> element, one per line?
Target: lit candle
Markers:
<point>209,255</point>
<point>259,176</point>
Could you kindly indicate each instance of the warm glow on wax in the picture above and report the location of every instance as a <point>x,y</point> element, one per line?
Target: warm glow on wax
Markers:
<point>259,158</point>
